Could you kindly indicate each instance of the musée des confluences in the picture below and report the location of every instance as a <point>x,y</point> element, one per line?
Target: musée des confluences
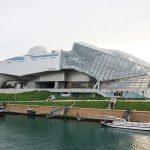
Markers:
<point>84,69</point>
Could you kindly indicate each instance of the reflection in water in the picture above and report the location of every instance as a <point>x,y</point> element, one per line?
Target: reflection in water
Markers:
<point>21,132</point>
<point>139,141</point>
<point>133,139</point>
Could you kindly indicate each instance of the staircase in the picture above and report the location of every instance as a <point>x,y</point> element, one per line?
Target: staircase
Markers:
<point>112,103</point>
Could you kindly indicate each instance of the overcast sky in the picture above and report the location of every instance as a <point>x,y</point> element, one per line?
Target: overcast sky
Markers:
<point>56,24</point>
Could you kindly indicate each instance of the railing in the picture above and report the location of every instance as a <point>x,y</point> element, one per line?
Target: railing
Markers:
<point>102,92</point>
<point>53,90</point>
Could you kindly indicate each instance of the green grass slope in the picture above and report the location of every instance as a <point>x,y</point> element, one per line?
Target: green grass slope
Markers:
<point>26,96</point>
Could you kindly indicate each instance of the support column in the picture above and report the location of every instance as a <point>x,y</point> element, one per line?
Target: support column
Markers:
<point>97,85</point>
<point>56,85</point>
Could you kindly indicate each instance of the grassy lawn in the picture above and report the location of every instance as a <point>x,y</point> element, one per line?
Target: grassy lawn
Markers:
<point>26,96</point>
<point>43,95</point>
<point>121,105</point>
<point>84,104</point>
<point>133,105</point>
<point>87,104</point>
<point>80,98</point>
<point>67,104</point>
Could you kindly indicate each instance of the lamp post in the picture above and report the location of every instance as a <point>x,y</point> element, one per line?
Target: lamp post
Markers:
<point>15,94</point>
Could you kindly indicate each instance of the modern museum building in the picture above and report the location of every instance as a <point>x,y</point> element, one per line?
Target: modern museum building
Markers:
<point>84,69</point>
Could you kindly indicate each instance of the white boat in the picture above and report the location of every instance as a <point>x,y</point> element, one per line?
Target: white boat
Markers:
<point>2,111</point>
<point>122,123</point>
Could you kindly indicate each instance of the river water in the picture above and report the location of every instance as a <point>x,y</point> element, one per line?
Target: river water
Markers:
<point>23,133</point>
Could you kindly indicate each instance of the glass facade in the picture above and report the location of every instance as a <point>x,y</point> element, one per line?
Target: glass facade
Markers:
<point>127,84</point>
<point>114,69</point>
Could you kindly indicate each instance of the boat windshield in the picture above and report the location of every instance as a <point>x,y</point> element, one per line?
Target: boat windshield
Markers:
<point>119,120</point>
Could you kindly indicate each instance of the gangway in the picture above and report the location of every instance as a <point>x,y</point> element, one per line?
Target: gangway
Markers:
<point>57,112</point>
<point>126,114</point>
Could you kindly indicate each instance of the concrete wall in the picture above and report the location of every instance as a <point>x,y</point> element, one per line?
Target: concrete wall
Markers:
<point>147,93</point>
<point>49,77</point>
<point>23,108</point>
<point>31,64</point>
<point>53,76</point>
<point>140,116</point>
<point>73,75</point>
<point>80,90</point>
<point>32,84</point>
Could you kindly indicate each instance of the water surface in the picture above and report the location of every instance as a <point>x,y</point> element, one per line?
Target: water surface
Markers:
<point>23,133</point>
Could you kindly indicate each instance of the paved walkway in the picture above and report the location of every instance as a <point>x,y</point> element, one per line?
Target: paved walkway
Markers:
<point>75,101</point>
<point>98,100</point>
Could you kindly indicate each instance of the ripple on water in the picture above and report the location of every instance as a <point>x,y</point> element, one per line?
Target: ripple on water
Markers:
<point>23,133</point>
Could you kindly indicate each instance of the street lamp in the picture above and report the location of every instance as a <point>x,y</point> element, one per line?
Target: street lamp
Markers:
<point>15,94</point>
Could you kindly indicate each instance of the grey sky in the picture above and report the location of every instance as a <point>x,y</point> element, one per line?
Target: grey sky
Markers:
<point>56,24</point>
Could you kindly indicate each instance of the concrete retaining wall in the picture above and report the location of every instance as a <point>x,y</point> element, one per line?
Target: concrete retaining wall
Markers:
<point>141,116</point>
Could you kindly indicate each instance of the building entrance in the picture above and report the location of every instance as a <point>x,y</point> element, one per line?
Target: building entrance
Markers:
<point>45,84</point>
